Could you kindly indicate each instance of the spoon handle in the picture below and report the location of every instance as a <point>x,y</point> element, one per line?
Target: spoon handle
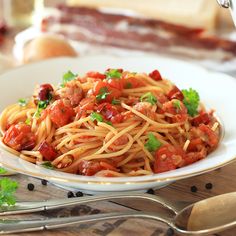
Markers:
<point>19,226</point>
<point>30,207</point>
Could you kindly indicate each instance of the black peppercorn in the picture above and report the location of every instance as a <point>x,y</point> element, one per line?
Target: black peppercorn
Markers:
<point>44,182</point>
<point>209,186</point>
<point>150,191</point>
<point>79,194</point>
<point>170,232</point>
<point>30,187</point>
<point>70,194</point>
<point>193,189</point>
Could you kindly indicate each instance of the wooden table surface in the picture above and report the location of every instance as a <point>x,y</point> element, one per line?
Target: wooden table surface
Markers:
<point>223,180</point>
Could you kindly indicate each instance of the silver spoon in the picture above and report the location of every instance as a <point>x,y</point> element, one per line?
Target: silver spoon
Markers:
<point>204,217</point>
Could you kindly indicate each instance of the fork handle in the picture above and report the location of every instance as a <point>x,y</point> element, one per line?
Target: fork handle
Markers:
<point>19,226</point>
<point>30,207</point>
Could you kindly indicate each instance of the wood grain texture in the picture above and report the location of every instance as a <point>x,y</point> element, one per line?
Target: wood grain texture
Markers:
<point>223,181</point>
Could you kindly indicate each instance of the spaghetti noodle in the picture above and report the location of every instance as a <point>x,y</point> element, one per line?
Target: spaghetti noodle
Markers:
<point>116,123</point>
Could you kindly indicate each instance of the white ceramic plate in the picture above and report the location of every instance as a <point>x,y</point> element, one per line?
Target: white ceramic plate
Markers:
<point>217,91</point>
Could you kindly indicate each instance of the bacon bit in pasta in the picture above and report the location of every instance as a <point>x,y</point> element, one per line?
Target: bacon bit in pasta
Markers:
<point>175,93</point>
<point>47,151</point>
<point>203,118</point>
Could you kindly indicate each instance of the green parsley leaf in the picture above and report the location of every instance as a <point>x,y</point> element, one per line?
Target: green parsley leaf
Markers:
<point>7,190</point>
<point>41,106</point>
<point>2,170</point>
<point>148,97</point>
<point>115,101</point>
<point>47,165</point>
<point>22,102</point>
<point>28,121</point>
<point>128,85</point>
<point>191,101</point>
<point>109,123</point>
<point>177,105</point>
<point>153,143</point>
<point>103,92</point>
<point>113,73</point>
<point>67,77</point>
<point>96,116</point>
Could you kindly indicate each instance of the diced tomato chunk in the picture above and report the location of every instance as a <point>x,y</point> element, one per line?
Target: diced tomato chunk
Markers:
<point>211,137</point>
<point>102,87</point>
<point>48,152</point>
<point>168,158</point>
<point>60,113</point>
<point>20,137</point>
<point>155,75</point>
<point>95,75</point>
<point>175,93</point>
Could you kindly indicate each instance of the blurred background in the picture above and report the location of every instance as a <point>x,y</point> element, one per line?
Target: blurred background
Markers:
<point>194,30</point>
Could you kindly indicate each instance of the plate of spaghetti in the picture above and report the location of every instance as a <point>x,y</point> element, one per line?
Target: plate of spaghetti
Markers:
<point>103,123</point>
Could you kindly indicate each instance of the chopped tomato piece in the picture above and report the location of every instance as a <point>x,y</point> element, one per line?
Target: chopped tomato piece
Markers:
<point>131,82</point>
<point>103,88</point>
<point>155,75</point>
<point>168,158</point>
<point>203,118</point>
<point>48,152</point>
<point>96,75</point>
<point>20,137</point>
<point>115,83</point>
<point>110,112</point>
<point>175,93</point>
<point>209,136</point>
<point>60,113</point>
<point>176,108</point>
<point>194,144</point>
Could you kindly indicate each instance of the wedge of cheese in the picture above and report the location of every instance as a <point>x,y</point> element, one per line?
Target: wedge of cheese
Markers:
<point>193,13</point>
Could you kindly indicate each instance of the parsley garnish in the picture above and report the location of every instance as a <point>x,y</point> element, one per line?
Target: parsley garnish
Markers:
<point>148,97</point>
<point>113,73</point>
<point>177,105</point>
<point>3,171</point>
<point>103,93</point>
<point>22,102</point>
<point>68,77</point>
<point>109,123</point>
<point>115,101</point>
<point>47,165</point>
<point>28,121</point>
<point>7,190</point>
<point>41,106</point>
<point>191,101</point>
<point>96,116</point>
<point>153,143</point>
